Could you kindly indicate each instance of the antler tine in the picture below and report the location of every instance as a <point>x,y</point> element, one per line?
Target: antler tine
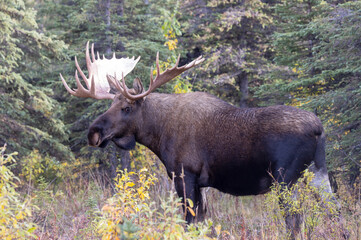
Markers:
<point>176,64</point>
<point>160,78</point>
<point>195,62</point>
<point>157,64</point>
<point>66,86</point>
<point>80,91</point>
<point>81,72</point>
<point>87,57</point>
<point>118,85</point>
<point>115,82</point>
<point>92,50</point>
<point>125,91</point>
<point>80,87</point>
<point>159,83</point>
<point>151,77</point>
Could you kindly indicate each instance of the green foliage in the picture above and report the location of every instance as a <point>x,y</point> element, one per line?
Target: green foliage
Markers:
<point>232,35</point>
<point>29,116</point>
<point>132,191</point>
<point>15,214</point>
<point>130,214</point>
<point>318,44</point>
<point>304,199</point>
<point>128,28</point>
<point>317,52</point>
<point>171,27</point>
<point>301,53</point>
<point>39,169</point>
<point>294,40</point>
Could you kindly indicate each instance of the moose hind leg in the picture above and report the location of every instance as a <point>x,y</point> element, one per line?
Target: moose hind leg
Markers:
<point>321,180</point>
<point>293,219</point>
<point>328,199</point>
<point>322,183</point>
<point>323,194</point>
<point>293,224</point>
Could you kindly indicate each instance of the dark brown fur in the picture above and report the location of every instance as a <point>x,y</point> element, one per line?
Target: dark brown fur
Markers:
<point>236,150</point>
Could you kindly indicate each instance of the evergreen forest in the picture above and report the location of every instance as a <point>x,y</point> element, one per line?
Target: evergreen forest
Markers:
<point>302,53</point>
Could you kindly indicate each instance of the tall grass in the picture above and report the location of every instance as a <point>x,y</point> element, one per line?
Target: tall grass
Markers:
<point>84,206</point>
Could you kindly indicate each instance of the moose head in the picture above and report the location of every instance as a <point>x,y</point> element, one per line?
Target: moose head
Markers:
<point>119,122</point>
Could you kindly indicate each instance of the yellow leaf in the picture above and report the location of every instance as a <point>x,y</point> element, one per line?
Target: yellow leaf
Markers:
<point>218,229</point>
<point>106,208</point>
<point>15,223</point>
<point>129,184</point>
<point>190,202</point>
<point>19,216</point>
<point>191,211</point>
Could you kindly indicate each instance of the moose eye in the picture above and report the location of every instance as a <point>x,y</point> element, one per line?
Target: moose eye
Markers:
<point>126,109</point>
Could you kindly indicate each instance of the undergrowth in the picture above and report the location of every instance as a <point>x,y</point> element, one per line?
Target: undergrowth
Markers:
<point>51,200</point>
<point>131,214</point>
<point>15,211</point>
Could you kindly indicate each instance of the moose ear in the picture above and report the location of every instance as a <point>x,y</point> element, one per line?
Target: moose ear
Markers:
<point>138,86</point>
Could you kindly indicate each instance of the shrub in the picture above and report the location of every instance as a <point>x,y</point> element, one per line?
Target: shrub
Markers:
<point>130,213</point>
<point>15,212</point>
<point>303,199</point>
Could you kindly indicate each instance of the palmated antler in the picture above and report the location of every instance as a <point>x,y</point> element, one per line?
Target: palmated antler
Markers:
<point>103,72</point>
<point>98,69</point>
<point>160,79</point>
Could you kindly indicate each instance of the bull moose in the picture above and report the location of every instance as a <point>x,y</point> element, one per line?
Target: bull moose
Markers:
<point>239,151</point>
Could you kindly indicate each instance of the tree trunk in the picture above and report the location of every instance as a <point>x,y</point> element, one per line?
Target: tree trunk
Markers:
<point>242,81</point>
<point>120,8</point>
<point>117,156</point>
<point>108,49</point>
<point>124,159</point>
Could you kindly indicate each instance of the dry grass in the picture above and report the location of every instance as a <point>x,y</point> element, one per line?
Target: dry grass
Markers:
<point>70,210</point>
<point>248,218</point>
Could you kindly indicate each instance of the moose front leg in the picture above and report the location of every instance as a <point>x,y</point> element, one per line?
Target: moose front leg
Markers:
<point>187,188</point>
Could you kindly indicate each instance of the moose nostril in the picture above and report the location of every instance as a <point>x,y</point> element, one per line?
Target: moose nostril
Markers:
<point>94,137</point>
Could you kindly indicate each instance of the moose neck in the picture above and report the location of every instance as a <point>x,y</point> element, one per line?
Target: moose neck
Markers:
<point>156,113</point>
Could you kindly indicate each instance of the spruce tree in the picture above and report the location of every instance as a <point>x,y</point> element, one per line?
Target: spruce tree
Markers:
<point>30,118</point>
<point>128,28</point>
<point>233,37</point>
<point>318,68</point>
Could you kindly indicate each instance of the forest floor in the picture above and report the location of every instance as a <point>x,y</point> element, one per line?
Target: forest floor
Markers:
<point>72,211</point>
